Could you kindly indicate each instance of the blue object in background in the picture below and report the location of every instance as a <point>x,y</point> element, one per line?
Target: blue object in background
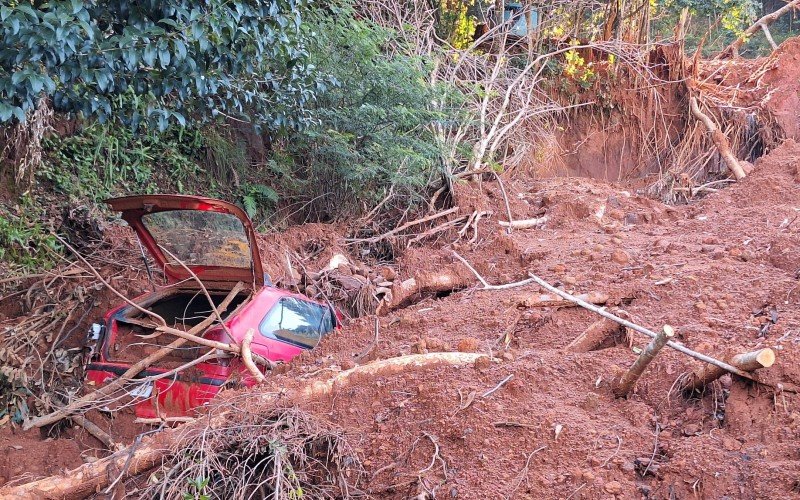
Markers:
<point>525,22</point>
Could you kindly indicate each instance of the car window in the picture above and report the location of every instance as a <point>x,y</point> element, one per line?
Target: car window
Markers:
<point>201,238</point>
<point>297,322</point>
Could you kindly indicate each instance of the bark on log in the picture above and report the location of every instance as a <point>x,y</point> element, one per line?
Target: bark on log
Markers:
<point>638,328</point>
<point>594,336</point>
<point>751,361</point>
<point>719,140</point>
<point>247,357</point>
<point>94,430</point>
<point>649,353</point>
<point>524,224</point>
<point>547,300</point>
<point>761,24</point>
<point>767,34</point>
<point>403,292</point>
<point>92,477</point>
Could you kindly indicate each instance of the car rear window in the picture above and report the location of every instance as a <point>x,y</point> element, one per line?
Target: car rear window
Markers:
<point>297,322</point>
<point>201,238</point>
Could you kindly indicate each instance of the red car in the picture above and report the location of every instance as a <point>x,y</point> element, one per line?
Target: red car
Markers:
<point>216,240</point>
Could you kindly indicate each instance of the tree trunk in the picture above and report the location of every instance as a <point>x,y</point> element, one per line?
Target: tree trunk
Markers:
<point>594,336</point>
<point>751,361</point>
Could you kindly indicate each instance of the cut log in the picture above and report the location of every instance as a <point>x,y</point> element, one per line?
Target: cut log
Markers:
<point>594,336</point>
<point>548,300</point>
<point>751,361</point>
<point>404,292</point>
<point>629,378</point>
<point>638,328</point>
<point>524,224</point>
<point>719,140</point>
<point>152,450</point>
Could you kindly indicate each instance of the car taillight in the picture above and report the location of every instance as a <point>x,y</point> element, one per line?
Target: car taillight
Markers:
<point>93,339</point>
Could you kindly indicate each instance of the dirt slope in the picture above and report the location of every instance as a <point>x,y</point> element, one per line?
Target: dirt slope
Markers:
<point>725,272</point>
<point>714,270</point>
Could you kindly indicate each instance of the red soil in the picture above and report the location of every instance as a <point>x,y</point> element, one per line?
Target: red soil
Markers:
<point>729,257</point>
<point>715,270</point>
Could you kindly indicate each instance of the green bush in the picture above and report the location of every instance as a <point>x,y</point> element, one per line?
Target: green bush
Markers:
<point>26,242</point>
<point>372,128</point>
<point>105,159</point>
<point>184,60</point>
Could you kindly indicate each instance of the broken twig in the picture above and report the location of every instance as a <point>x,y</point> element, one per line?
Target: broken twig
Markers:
<point>649,353</point>
<point>602,312</point>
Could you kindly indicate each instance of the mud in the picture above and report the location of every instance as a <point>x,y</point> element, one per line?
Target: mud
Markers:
<point>724,271</point>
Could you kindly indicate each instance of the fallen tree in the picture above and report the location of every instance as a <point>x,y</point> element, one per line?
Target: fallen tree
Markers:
<point>157,448</point>
<point>719,140</point>
<point>761,24</point>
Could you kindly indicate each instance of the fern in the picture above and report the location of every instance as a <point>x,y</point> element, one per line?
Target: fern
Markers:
<point>257,196</point>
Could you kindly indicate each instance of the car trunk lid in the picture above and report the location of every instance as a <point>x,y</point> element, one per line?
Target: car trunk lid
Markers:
<point>213,238</point>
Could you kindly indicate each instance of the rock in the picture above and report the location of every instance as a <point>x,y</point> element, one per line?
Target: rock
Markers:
<point>700,305</point>
<point>735,252</point>
<point>570,280</point>
<point>482,363</point>
<point>598,248</point>
<point>616,240</point>
<point>620,256</point>
<point>421,347</point>
<point>559,268</point>
<point>691,430</point>
<point>731,444</point>
<point>591,401</point>
<point>613,488</point>
<point>615,214</point>
<point>631,218</point>
<point>507,356</point>
<point>434,344</point>
<point>468,344</point>
<point>710,240</point>
<point>347,364</point>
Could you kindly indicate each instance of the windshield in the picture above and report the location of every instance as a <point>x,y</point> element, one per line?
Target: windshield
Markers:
<point>200,238</point>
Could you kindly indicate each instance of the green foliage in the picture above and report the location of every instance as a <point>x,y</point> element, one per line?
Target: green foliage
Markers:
<point>255,196</point>
<point>26,243</point>
<point>372,129</point>
<point>197,488</point>
<point>181,59</point>
<point>226,156</point>
<point>717,23</point>
<point>456,24</point>
<point>106,159</point>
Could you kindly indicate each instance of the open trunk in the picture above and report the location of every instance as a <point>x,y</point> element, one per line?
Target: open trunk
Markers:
<point>181,309</point>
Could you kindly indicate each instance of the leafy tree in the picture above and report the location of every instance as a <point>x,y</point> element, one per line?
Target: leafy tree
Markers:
<point>372,128</point>
<point>159,61</point>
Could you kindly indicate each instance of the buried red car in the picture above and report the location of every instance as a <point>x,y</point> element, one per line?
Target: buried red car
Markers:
<point>216,241</point>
